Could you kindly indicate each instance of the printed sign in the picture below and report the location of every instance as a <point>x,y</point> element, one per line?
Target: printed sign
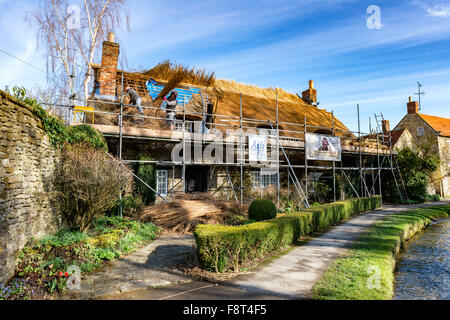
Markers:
<point>257,150</point>
<point>321,147</point>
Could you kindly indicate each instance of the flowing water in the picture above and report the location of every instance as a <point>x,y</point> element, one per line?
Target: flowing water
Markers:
<point>423,271</point>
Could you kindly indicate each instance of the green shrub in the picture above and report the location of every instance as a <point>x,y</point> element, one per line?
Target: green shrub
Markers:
<point>433,197</point>
<point>262,209</point>
<point>222,248</point>
<point>87,134</point>
<point>132,206</point>
<point>147,172</point>
<point>416,167</point>
<point>416,184</point>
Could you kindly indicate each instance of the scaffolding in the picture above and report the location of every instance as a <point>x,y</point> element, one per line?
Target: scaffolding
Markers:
<point>373,152</point>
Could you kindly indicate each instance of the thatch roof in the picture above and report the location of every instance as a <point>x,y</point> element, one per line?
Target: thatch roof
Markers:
<point>258,103</point>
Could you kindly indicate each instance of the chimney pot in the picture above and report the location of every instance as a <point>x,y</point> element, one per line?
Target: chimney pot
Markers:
<point>311,84</point>
<point>111,37</point>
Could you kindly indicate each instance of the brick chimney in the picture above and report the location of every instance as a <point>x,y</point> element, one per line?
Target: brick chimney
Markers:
<point>413,106</point>
<point>385,126</point>
<point>310,95</point>
<point>108,71</point>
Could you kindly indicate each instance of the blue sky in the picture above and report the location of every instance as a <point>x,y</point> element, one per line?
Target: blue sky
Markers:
<point>280,43</point>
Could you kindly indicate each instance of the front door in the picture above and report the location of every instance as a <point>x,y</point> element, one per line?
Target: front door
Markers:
<point>196,179</point>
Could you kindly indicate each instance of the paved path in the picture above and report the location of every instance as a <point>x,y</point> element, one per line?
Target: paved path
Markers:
<point>150,266</point>
<point>291,276</point>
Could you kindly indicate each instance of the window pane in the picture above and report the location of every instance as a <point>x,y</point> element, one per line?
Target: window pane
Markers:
<point>161,181</point>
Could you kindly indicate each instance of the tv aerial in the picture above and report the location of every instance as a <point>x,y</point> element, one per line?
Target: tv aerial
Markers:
<point>419,93</point>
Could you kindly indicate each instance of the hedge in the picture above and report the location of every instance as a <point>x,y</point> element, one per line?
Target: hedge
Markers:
<point>222,248</point>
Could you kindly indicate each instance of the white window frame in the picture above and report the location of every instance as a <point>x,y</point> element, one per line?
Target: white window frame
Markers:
<point>420,131</point>
<point>263,181</point>
<point>162,182</point>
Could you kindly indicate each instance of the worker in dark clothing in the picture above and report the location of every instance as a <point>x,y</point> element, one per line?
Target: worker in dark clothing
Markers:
<point>171,103</point>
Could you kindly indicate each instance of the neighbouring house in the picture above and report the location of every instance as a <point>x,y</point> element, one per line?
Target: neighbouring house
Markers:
<point>217,112</point>
<point>429,134</point>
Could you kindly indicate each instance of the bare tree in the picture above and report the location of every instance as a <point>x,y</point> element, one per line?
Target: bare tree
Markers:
<point>71,36</point>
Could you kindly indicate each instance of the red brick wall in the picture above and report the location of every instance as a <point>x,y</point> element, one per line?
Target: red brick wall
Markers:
<point>413,107</point>
<point>108,71</point>
<point>310,95</point>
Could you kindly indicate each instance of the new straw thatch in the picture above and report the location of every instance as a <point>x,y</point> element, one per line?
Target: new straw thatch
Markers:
<point>167,70</point>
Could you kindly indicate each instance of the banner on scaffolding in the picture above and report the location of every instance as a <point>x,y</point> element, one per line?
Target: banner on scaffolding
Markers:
<point>322,147</point>
<point>257,147</point>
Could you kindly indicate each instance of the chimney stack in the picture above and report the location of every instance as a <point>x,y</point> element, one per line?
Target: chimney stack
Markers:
<point>108,71</point>
<point>386,127</point>
<point>413,106</point>
<point>310,95</point>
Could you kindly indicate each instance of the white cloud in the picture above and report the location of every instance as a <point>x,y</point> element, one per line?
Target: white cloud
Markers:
<point>439,11</point>
<point>435,8</point>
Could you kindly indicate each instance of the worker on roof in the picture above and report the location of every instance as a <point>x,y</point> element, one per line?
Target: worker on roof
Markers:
<point>135,99</point>
<point>171,103</point>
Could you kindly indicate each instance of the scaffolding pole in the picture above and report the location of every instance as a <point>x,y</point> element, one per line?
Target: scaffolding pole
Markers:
<point>278,154</point>
<point>120,141</point>
<point>241,151</point>
<point>306,159</point>
<point>184,146</point>
<point>360,154</point>
<point>334,163</point>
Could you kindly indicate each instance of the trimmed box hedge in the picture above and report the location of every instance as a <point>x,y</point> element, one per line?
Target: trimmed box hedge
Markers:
<point>221,248</point>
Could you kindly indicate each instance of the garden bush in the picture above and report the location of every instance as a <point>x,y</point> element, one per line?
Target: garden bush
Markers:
<point>147,172</point>
<point>262,209</point>
<point>89,184</point>
<point>433,197</point>
<point>88,135</point>
<point>222,248</point>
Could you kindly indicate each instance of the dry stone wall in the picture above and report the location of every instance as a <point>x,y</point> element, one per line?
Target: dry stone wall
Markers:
<point>28,163</point>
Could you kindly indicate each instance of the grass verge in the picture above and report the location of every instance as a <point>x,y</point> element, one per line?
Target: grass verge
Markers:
<point>43,269</point>
<point>366,271</point>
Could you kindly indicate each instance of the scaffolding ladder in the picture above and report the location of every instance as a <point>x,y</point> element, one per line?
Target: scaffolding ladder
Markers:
<point>396,173</point>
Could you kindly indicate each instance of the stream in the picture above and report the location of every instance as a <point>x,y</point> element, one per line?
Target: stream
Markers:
<point>423,271</point>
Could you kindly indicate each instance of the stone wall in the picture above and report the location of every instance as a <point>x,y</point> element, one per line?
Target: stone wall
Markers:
<point>27,165</point>
<point>444,150</point>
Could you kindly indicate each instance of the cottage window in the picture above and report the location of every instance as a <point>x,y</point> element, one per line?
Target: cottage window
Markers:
<point>420,131</point>
<point>179,126</point>
<point>263,181</point>
<point>161,182</point>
